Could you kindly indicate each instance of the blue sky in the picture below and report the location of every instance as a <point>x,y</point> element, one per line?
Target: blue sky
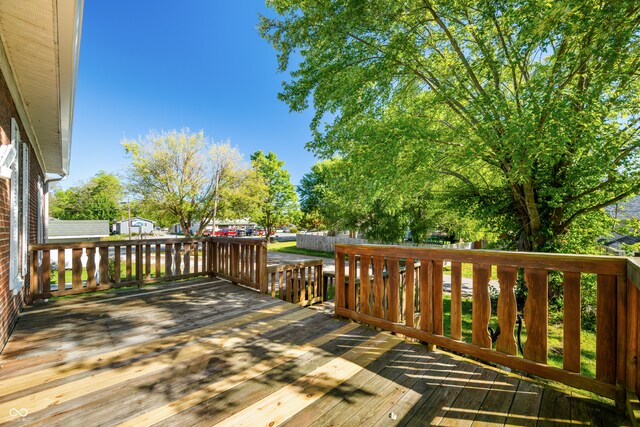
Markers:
<point>167,65</point>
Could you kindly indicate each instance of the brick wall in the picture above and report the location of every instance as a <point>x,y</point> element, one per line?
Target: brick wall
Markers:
<point>10,303</point>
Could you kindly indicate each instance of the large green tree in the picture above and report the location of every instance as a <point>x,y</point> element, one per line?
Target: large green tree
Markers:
<point>279,204</point>
<point>344,200</point>
<point>312,193</point>
<point>185,176</point>
<point>526,112</point>
<point>97,199</point>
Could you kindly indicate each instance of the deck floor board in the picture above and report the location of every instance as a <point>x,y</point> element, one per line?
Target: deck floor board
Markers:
<point>205,352</point>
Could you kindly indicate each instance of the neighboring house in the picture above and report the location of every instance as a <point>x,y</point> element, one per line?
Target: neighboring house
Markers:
<point>62,231</point>
<point>236,223</point>
<point>67,231</point>
<point>39,46</point>
<point>138,225</point>
<point>621,211</point>
<point>625,210</point>
<point>614,243</point>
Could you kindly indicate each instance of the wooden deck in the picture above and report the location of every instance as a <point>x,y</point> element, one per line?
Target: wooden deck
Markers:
<point>207,352</point>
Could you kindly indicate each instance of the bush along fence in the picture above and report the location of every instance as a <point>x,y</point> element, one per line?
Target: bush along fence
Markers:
<point>400,289</point>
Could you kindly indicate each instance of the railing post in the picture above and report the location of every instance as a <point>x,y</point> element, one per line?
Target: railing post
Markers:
<point>104,265</point>
<point>187,258</point>
<point>177,268</point>
<point>61,270</point>
<point>45,287</point>
<point>168,259</point>
<point>606,333</point>
<point>536,313</point>
<point>147,262</point>
<point>76,268</point>
<point>139,262</point>
<point>213,258</point>
<point>351,287</point>
<point>158,261</point>
<point>621,330</point>
<point>632,332</point>
<point>261,268</point>
<point>339,280</point>
<point>91,268</point>
<point>233,263</point>
<point>116,273</point>
<point>33,278</point>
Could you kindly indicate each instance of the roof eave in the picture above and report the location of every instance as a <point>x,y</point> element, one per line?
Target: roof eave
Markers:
<point>69,34</point>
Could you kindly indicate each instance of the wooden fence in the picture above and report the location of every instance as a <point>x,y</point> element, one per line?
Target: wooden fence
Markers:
<point>401,290</point>
<point>99,266</point>
<point>300,283</point>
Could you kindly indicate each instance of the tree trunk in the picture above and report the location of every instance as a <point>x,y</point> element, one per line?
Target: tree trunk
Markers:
<point>186,227</point>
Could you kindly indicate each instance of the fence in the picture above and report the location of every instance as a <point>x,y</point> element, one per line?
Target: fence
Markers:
<point>323,243</point>
<point>99,266</point>
<point>299,283</point>
<point>400,289</point>
<point>327,243</point>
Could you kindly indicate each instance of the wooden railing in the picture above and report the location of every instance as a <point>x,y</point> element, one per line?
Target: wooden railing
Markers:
<point>96,266</point>
<point>329,285</point>
<point>383,286</point>
<point>299,283</point>
<point>241,262</point>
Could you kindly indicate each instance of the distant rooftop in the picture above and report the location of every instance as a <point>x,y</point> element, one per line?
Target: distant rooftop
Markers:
<point>628,209</point>
<point>62,229</point>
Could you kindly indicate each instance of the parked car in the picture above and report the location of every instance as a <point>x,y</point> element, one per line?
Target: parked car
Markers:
<point>241,232</point>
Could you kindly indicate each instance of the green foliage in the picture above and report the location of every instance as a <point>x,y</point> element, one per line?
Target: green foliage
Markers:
<point>524,114</point>
<point>184,176</point>
<point>344,197</point>
<point>631,227</point>
<point>291,248</point>
<point>142,209</point>
<point>311,192</point>
<point>111,270</point>
<point>98,199</point>
<point>279,204</point>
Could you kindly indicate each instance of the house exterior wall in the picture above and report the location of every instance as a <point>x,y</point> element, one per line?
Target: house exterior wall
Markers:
<point>12,302</point>
<point>139,225</point>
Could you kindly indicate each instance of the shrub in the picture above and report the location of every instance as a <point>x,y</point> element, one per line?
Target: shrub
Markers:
<point>111,270</point>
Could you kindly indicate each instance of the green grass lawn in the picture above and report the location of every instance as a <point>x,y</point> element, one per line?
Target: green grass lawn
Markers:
<point>117,237</point>
<point>467,271</point>
<point>290,248</point>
